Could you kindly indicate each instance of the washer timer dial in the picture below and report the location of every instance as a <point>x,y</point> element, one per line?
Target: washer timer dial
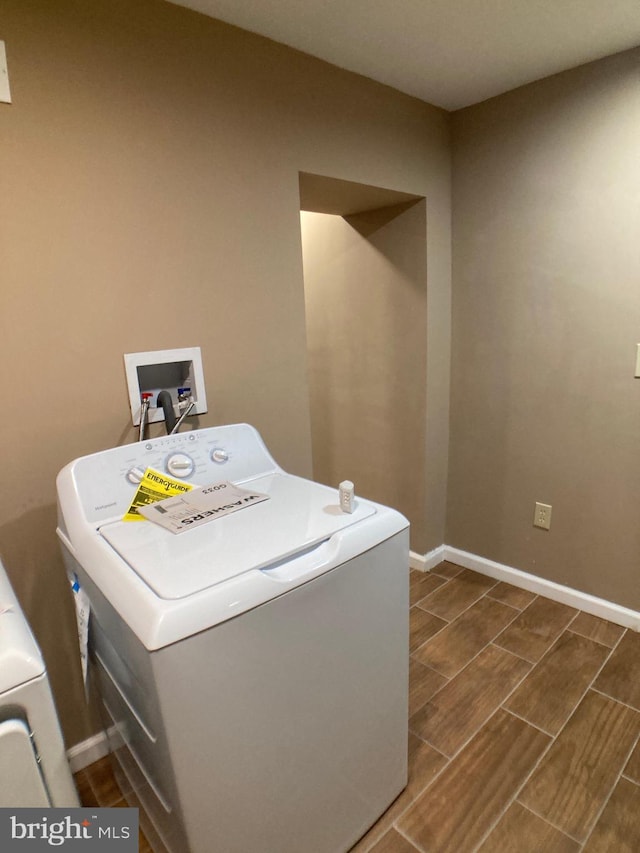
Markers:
<point>180,465</point>
<point>135,475</point>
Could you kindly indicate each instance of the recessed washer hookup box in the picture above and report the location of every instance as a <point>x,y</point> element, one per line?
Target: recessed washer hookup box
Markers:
<point>164,370</point>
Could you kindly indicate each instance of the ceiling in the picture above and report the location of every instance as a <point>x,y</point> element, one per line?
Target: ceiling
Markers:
<point>450,53</point>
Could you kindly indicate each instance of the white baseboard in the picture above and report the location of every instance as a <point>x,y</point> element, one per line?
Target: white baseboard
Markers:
<point>87,751</point>
<point>563,594</point>
<point>426,562</point>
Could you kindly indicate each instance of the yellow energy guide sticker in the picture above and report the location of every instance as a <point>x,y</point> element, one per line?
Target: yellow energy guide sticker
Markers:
<point>154,487</point>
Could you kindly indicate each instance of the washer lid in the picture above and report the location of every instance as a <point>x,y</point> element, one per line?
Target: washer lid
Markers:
<point>299,515</point>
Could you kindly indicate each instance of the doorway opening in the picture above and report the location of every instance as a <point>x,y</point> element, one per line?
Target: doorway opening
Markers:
<point>365,282</point>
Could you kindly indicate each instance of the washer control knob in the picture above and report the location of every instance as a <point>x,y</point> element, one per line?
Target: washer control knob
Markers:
<point>135,475</point>
<point>220,455</point>
<point>180,465</point>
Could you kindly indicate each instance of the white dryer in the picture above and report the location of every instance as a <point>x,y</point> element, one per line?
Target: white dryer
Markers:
<point>253,670</point>
<point>33,764</point>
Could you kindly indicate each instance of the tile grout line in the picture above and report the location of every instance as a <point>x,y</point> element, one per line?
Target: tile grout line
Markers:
<point>553,641</point>
<point>434,748</point>
<point>419,793</point>
<point>554,739</point>
<point>495,710</point>
<point>528,722</point>
<point>614,699</point>
<point>447,758</point>
<point>457,577</point>
<point>439,631</point>
<point>512,799</point>
<point>578,701</point>
<point>439,751</point>
<point>445,581</point>
<point>593,640</point>
<point>413,799</point>
<point>613,788</point>
<point>468,664</point>
<point>552,824</point>
<point>526,780</point>
<point>619,640</point>
<point>417,847</point>
<point>488,643</point>
<point>435,672</point>
<point>464,610</point>
<point>596,676</point>
<point>442,586</point>
<point>573,620</point>
<point>435,572</point>
<point>531,811</point>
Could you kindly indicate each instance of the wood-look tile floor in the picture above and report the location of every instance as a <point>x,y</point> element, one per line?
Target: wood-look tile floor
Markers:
<point>97,787</point>
<point>524,717</point>
<point>524,720</point>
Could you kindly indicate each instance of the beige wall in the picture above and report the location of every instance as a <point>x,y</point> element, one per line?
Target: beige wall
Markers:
<point>546,317</point>
<point>365,293</point>
<point>149,199</point>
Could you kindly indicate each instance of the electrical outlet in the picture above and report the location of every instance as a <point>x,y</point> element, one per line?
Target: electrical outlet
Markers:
<point>542,516</point>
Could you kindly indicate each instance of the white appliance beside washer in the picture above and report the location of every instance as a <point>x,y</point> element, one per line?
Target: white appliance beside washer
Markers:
<point>253,670</point>
<point>34,771</point>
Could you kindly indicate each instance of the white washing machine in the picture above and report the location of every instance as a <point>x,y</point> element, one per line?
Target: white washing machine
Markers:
<point>253,670</point>
<point>34,771</point>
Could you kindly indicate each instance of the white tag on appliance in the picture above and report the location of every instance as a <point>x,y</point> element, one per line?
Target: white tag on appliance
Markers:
<point>200,506</point>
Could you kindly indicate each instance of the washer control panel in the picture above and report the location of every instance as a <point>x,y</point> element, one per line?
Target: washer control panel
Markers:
<point>106,481</point>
